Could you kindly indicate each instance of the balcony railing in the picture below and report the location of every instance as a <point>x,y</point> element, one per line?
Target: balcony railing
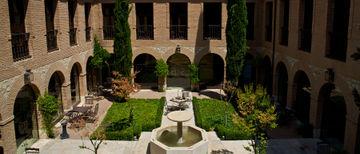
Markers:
<point>20,46</point>
<point>72,34</point>
<point>337,45</point>
<point>284,35</point>
<point>268,33</point>
<point>145,32</point>
<point>178,32</point>
<point>212,32</point>
<point>88,34</point>
<point>108,32</point>
<point>51,38</point>
<point>305,40</point>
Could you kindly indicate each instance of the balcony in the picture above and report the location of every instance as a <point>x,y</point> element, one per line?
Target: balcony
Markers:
<point>20,46</point>
<point>305,40</point>
<point>72,34</point>
<point>108,32</point>
<point>284,36</point>
<point>212,32</point>
<point>88,34</point>
<point>178,32</point>
<point>145,32</point>
<point>51,38</point>
<point>337,46</point>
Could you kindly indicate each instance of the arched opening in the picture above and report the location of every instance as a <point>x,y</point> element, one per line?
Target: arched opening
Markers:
<point>144,67</point>
<point>54,87</point>
<point>249,71</point>
<point>178,71</point>
<point>211,70</point>
<point>96,76</point>
<point>281,84</point>
<point>301,102</point>
<point>25,116</point>
<point>333,115</point>
<point>264,74</point>
<point>75,85</point>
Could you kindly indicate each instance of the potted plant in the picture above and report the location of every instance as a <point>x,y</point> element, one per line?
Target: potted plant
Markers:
<point>194,77</point>
<point>161,71</point>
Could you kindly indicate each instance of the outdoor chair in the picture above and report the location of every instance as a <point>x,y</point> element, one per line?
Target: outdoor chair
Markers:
<point>91,115</point>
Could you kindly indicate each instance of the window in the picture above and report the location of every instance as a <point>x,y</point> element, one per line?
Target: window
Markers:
<point>268,21</point>
<point>51,32</point>
<point>87,7</point>
<point>305,24</point>
<point>212,21</point>
<point>284,29</point>
<point>251,22</point>
<point>72,30</point>
<point>108,21</point>
<point>144,21</point>
<point>178,21</point>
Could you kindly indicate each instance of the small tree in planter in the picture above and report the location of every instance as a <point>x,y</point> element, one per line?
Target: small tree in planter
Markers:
<point>49,108</point>
<point>122,86</point>
<point>161,71</point>
<point>194,77</point>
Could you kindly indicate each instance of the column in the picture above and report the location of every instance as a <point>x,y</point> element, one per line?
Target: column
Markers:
<point>66,96</point>
<point>8,135</point>
<point>350,134</point>
<point>82,86</point>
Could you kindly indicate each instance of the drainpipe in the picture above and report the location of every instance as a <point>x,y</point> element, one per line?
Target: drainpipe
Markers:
<point>273,47</point>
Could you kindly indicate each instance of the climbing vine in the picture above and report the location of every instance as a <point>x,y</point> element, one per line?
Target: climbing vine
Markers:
<point>49,107</point>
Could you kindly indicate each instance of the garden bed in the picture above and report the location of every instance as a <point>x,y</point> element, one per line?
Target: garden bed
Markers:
<point>221,117</point>
<point>125,120</point>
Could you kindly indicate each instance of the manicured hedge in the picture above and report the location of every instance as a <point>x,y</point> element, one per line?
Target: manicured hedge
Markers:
<point>119,125</point>
<point>211,114</point>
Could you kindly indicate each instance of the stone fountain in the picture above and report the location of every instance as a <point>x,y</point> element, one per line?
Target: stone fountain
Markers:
<point>184,139</point>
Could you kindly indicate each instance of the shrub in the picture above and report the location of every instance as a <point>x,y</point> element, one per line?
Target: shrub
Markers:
<point>161,68</point>
<point>122,87</point>
<point>194,73</point>
<point>49,108</point>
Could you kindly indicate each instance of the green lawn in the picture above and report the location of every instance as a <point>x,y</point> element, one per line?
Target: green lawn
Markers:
<point>119,125</point>
<point>220,116</point>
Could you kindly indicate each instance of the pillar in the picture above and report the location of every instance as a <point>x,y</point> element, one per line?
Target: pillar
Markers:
<point>350,135</point>
<point>8,139</point>
<point>82,87</point>
<point>66,96</point>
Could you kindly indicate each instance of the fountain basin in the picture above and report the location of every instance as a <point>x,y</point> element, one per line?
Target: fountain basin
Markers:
<point>165,140</point>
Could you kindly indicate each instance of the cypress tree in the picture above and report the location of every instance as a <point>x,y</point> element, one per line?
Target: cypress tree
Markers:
<point>235,39</point>
<point>122,42</point>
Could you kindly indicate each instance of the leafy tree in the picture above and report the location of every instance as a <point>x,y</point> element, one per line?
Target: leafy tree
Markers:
<point>49,108</point>
<point>161,71</point>
<point>101,55</point>
<point>194,73</point>
<point>255,107</point>
<point>235,39</point>
<point>122,41</point>
<point>122,86</point>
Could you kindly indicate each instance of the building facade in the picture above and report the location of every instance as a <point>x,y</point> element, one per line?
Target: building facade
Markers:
<point>302,50</point>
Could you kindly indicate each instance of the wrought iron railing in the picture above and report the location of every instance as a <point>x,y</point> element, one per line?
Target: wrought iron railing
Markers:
<point>305,40</point>
<point>178,32</point>
<point>145,32</point>
<point>108,31</point>
<point>72,34</point>
<point>212,32</point>
<point>20,46</point>
<point>51,38</point>
<point>88,34</point>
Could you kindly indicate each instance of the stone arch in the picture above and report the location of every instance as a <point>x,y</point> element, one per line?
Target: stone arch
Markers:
<point>76,70</point>
<point>25,114</point>
<point>54,88</point>
<point>333,113</point>
<point>281,86</point>
<point>144,68</point>
<point>178,70</point>
<point>211,69</point>
<point>183,50</point>
<point>152,52</point>
<point>301,100</point>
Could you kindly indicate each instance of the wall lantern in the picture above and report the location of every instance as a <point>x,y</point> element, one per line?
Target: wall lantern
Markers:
<point>28,76</point>
<point>177,50</point>
<point>329,75</point>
